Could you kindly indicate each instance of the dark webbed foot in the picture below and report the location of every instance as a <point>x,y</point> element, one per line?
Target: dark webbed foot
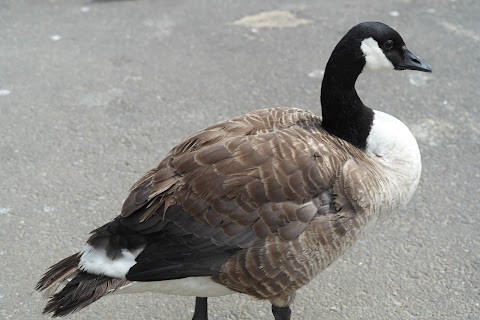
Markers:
<point>281,313</point>
<point>201,311</point>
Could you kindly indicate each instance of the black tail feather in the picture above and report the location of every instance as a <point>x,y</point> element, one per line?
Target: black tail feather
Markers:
<point>81,288</point>
<point>81,291</point>
<point>59,272</point>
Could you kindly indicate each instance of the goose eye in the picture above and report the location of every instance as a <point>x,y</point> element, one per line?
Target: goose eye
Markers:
<point>388,45</point>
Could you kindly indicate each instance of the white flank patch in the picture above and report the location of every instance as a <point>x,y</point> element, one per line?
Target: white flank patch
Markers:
<point>191,286</point>
<point>374,56</point>
<point>272,19</point>
<point>96,261</point>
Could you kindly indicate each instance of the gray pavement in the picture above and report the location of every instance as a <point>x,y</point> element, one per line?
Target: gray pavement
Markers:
<point>95,93</point>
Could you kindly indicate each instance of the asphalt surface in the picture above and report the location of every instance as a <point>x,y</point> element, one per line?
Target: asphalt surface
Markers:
<point>94,93</point>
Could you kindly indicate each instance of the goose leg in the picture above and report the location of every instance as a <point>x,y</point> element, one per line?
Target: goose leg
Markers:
<point>201,312</point>
<point>281,313</point>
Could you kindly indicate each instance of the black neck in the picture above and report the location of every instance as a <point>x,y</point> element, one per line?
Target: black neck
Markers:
<point>343,113</point>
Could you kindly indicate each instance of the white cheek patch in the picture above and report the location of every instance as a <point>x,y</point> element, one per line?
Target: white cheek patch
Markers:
<point>374,56</point>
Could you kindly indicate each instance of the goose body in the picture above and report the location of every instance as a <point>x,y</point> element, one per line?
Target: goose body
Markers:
<point>258,204</point>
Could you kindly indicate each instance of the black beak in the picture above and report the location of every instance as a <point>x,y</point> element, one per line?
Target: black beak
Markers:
<point>411,62</point>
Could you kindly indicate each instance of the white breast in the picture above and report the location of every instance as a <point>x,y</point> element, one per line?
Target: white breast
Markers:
<point>397,151</point>
<point>390,138</point>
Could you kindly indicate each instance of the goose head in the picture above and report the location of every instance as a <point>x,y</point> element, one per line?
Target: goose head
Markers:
<point>376,46</point>
<point>367,46</point>
<point>383,48</point>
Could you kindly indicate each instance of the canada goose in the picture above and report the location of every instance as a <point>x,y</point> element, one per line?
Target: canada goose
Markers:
<point>258,204</point>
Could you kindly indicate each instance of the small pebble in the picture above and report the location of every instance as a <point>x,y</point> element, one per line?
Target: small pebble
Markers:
<point>55,37</point>
<point>48,209</point>
<point>417,79</point>
<point>4,92</point>
<point>394,13</point>
<point>84,9</point>
<point>5,210</point>
<point>318,73</point>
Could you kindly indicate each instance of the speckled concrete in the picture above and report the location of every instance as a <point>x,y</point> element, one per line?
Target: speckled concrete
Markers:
<point>94,93</point>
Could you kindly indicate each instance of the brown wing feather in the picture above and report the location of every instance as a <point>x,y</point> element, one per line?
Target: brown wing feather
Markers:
<point>230,171</point>
<point>281,265</point>
<point>274,176</point>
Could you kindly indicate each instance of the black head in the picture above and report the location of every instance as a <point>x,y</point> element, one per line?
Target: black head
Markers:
<point>378,46</point>
<point>368,45</point>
